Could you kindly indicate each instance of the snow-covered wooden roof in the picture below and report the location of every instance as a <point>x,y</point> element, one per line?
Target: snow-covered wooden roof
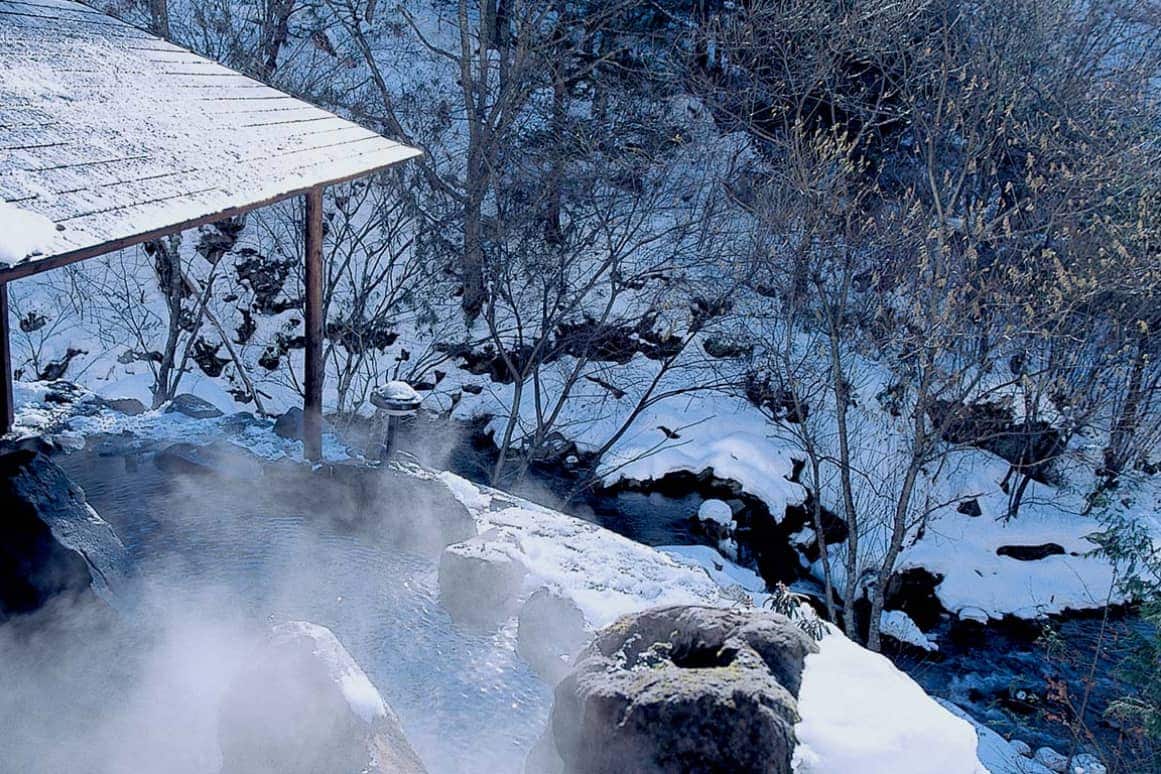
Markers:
<point>117,136</point>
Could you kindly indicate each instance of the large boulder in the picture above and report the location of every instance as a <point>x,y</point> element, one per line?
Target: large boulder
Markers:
<point>680,689</point>
<point>303,706</point>
<point>481,578</point>
<point>48,536</point>
<point>289,424</point>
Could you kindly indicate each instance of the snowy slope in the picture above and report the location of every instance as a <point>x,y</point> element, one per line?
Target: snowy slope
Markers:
<point>860,713</point>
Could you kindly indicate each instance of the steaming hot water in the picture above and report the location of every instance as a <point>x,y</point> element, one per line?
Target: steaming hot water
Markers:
<point>467,702</point>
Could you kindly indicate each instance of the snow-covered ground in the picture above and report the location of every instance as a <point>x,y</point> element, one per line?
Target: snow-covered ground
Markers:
<point>860,713</point>
<point>979,583</point>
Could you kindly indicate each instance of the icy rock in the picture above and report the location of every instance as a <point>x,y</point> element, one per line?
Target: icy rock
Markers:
<point>1051,760</point>
<point>301,705</point>
<point>1021,747</point>
<point>480,579</point>
<point>47,535</point>
<point>193,406</point>
<point>679,689</point>
<point>289,425</point>
<point>551,631</point>
<point>128,406</point>
<point>218,458</point>
<point>1086,763</point>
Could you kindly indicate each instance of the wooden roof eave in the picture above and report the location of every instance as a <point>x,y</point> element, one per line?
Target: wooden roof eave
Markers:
<point>38,264</point>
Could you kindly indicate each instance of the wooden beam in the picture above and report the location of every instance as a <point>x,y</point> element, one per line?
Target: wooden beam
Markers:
<point>7,407</point>
<point>313,303</point>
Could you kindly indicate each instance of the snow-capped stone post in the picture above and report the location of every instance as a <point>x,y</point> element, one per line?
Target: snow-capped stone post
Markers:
<point>314,313</point>
<point>395,399</point>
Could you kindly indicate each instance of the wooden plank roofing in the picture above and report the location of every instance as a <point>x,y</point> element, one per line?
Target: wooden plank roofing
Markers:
<point>118,136</point>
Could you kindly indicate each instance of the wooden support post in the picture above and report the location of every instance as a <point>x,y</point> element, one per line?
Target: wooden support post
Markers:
<point>7,407</point>
<point>314,366</point>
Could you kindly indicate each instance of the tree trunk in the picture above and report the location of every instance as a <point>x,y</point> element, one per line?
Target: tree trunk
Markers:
<point>159,18</point>
<point>275,33</point>
<point>838,387</point>
<point>1120,447</point>
<point>821,535</point>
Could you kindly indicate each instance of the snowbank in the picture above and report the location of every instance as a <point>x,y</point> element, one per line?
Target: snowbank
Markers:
<point>23,233</point>
<point>724,441</point>
<point>979,582</point>
<point>860,713</point>
<point>605,574</point>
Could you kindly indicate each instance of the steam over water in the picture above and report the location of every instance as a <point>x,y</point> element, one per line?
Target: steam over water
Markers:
<point>214,557</point>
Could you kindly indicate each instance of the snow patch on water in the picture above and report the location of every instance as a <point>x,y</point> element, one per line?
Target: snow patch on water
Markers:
<point>716,511</point>
<point>897,624</point>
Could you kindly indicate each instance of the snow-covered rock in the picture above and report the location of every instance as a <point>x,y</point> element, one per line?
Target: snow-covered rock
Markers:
<point>899,626</point>
<point>193,406</point>
<point>605,574</point>
<point>1051,760</point>
<point>480,578</point>
<point>301,705</point>
<point>49,537</point>
<point>860,713</point>
<point>725,573</point>
<point>218,459</point>
<point>716,511</point>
